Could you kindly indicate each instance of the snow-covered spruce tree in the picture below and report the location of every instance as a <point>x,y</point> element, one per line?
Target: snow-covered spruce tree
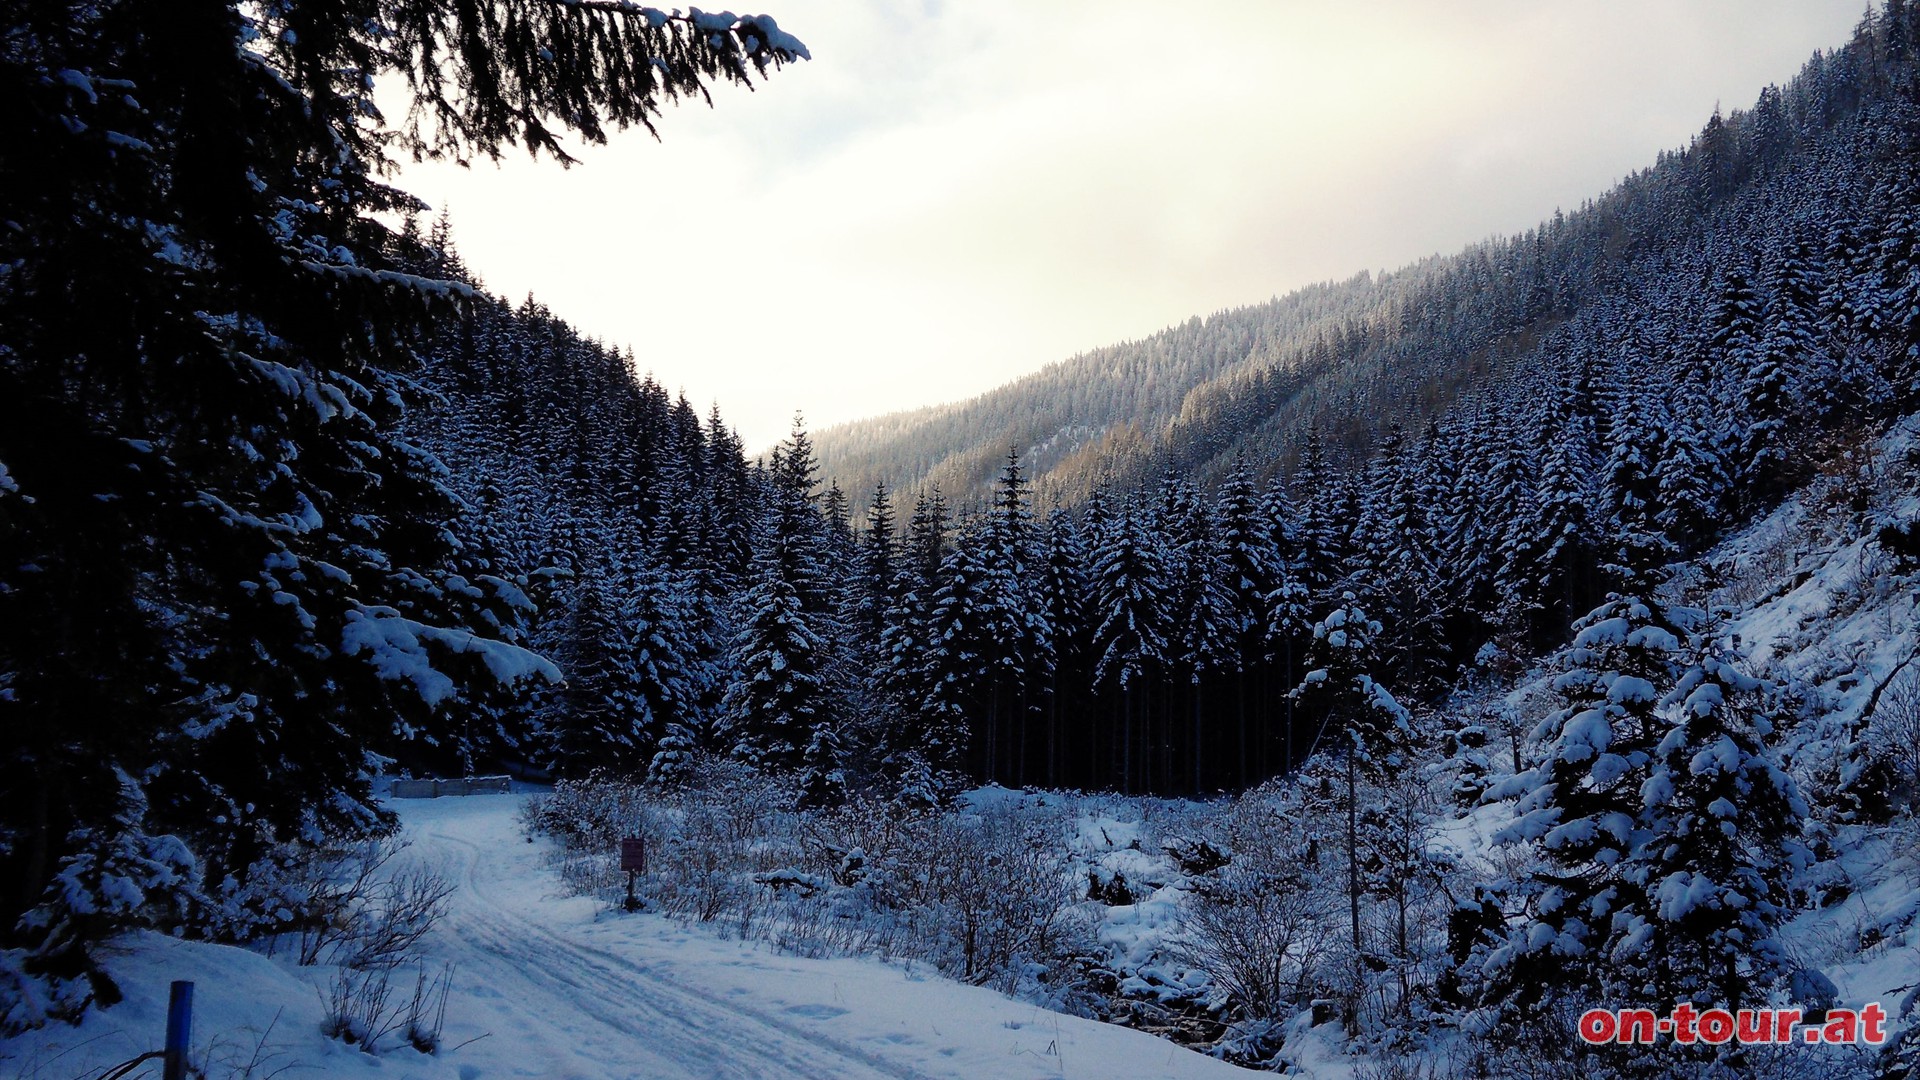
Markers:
<point>1200,619</point>
<point>1130,638</point>
<point>823,777</point>
<point>777,695</point>
<point>1639,545</point>
<point>1400,544</point>
<point>657,623</point>
<point>1021,639</point>
<point>1063,595</point>
<point>1322,555</point>
<point>1253,531</point>
<point>1371,729</point>
<point>901,679</point>
<point>1289,625</point>
<point>222,577</point>
<point>1566,522</point>
<point>781,709</point>
<point>598,719</point>
<point>1693,476</point>
<point>955,667</point>
<point>877,584</point>
<point>1773,390</point>
<point>1580,807</point>
<point>672,763</point>
<point>1722,822</point>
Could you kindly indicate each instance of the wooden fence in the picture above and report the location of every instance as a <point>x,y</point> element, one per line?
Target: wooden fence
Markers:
<point>434,789</point>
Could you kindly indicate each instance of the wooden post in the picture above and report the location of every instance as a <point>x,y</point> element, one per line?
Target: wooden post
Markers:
<point>633,859</point>
<point>179,1030</point>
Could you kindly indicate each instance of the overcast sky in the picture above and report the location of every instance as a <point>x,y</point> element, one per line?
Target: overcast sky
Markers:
<point>949,195</point>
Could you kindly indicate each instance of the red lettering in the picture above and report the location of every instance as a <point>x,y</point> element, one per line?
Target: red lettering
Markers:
<point>1716,1026</point>
<point>1873,1021</point>
<point>1683,1018</point>
<point>1637,1025</point>
<point>1597,1025</point>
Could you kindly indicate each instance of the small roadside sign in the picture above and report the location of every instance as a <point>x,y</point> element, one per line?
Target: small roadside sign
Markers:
<point>633,859</point>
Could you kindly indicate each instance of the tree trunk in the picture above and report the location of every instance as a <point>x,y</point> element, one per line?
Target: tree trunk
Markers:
<point>1353,866</point>
<point>1197,736</point>
<point>1240,718</point>
<point>1287,709</point>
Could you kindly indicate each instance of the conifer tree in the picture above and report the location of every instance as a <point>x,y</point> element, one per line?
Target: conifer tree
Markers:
<point>1580,803</point>
<point>1251,571</point>
<point>1130,635</point>
<point>877,581</point>
<point>597,724</point>
<point>1320,559</point>
<point>902,673</point>
<point>1639,544</point>
<point>1692,476</point>
<point>1373,731</point>
<point>1016,644</point>
<point>672,763</point>
<point>958,666</point>
<point>243,593</point>
<point>1722,821</point>
<point>778,694</point>
<point>1772,382</point>
<point>1063,594</point>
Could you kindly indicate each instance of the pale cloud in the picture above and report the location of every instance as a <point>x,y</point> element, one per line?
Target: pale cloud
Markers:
<point>949,196</point>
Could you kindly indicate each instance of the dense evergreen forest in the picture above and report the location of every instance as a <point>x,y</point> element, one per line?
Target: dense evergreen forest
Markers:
<point>233,591</point>
<point>1670,361</point>
<point>304,504</point>
<point>1813,168</point>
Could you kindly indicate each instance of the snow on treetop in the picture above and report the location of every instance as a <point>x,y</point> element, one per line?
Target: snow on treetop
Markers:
<point>1723,757</point>
<point>397,647</point>
<point>1683,892</point>
<point>1585,735</point>
<point>1631,689</point>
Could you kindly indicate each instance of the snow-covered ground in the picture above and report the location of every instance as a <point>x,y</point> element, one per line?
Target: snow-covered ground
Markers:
<point>549,986</point>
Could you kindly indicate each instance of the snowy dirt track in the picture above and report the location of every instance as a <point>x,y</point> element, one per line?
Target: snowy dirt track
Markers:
<point>564,998</point>
<point>551,986</point>
<point>561,989</point>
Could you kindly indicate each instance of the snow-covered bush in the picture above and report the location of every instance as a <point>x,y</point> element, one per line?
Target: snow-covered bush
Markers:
<point>1893,732</point>
<point>999,881</point>
<point>984,894</point>
<point>1260,932</point>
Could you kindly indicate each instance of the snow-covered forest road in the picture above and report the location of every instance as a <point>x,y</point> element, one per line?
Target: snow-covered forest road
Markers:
<point>562,995</point>
<point>560,989</point>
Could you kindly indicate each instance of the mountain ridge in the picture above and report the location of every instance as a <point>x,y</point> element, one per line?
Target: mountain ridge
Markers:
<point>1352,355</point>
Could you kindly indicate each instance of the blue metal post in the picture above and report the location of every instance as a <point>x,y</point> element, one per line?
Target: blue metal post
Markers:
<point>179,1030</point>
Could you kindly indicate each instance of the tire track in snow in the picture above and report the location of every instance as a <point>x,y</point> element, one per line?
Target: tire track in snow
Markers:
<point>695,1033</point>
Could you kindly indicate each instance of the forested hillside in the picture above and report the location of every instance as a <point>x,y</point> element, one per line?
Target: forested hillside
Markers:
<point>232,591</point>
<point>288,503</point>
<point>1807,163</point>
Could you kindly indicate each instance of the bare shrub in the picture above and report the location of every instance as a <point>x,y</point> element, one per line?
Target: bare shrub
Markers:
<point>1259,936</point>
<point>426,1010</point>
<point>1262,925</point>
<point>351,905</point>
<point>357,1007</point>
<point>1894,732</point>
<point>230,1056</point>
<point>984,895</point>
<point>1000,879</point>
<point>384,928</point>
